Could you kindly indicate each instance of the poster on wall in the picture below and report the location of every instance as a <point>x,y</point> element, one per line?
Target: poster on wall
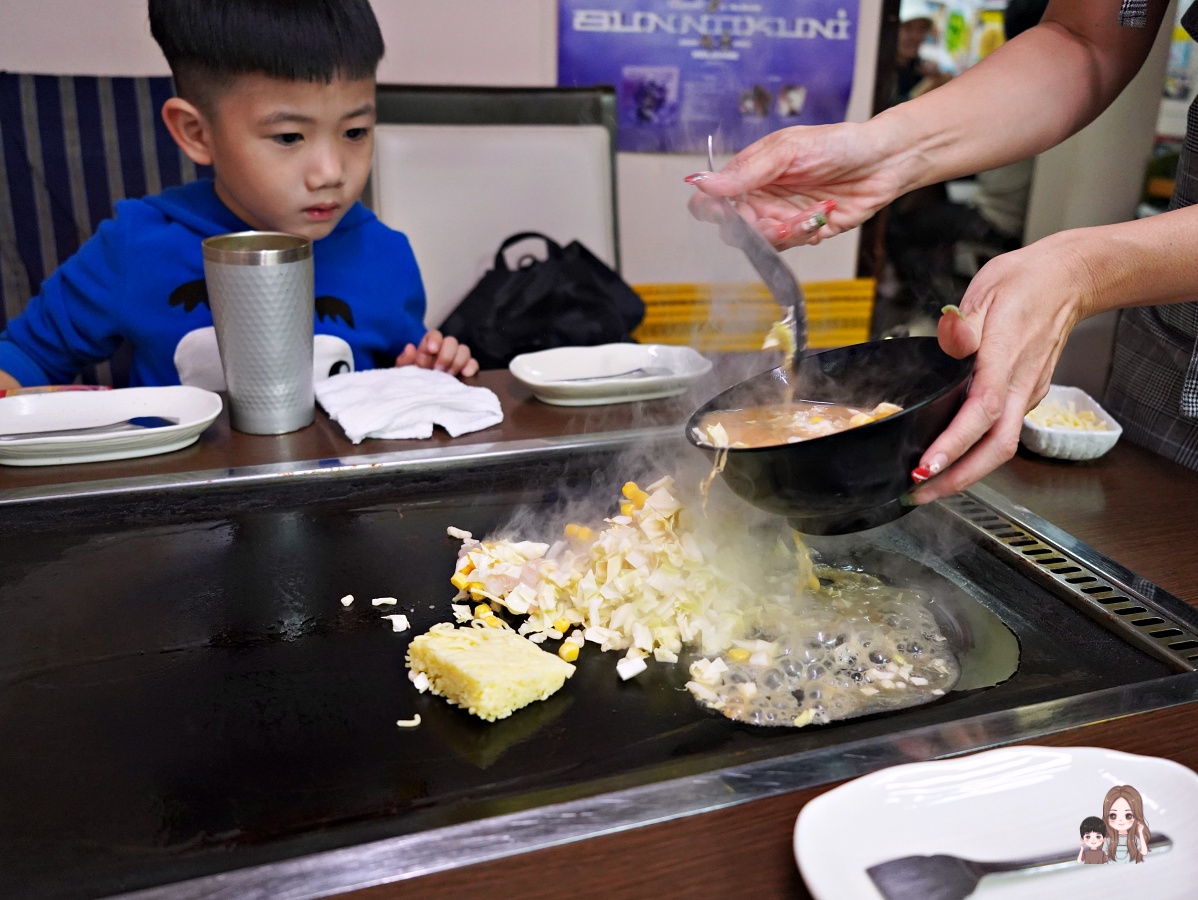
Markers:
<point>683,69</point>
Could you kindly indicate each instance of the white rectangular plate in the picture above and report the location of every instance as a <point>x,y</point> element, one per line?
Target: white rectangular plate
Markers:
<point>543,372</point>
<point>1005,804</point>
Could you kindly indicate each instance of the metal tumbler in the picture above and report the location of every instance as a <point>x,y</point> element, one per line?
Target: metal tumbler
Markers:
<point>260,287</point>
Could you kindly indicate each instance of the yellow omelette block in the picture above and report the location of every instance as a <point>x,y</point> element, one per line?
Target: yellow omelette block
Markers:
<point>492,672</point>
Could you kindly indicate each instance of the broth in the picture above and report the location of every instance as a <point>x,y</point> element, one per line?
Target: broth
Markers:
<point>784,423</point>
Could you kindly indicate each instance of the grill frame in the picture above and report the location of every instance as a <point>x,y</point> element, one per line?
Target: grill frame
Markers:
<point>441,849</point>
<point>1142,613</point>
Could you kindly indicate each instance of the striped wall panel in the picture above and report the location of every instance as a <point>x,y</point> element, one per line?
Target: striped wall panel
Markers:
<point>70,147</point>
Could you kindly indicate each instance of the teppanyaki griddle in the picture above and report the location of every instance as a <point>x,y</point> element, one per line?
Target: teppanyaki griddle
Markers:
<point>183,694</point>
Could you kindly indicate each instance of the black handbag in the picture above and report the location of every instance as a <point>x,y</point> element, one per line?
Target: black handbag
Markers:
<point>569,299</point>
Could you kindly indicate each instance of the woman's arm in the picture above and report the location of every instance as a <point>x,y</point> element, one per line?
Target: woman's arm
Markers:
<point>1027,96</point>
<point>1018,312</point>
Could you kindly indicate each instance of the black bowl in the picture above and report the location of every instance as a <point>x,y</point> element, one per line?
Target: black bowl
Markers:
<point>851,480</point>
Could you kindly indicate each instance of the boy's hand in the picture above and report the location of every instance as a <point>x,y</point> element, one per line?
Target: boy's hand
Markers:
<point>438,352</point>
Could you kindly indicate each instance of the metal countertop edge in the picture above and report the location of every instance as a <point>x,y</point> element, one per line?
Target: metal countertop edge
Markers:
<point>1149,592</point>
<point>443,849</point>
<point>377,463</point>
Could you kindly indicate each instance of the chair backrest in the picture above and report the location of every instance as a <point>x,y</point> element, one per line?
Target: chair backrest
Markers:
<point>460,169</point>
<point>70,147</point>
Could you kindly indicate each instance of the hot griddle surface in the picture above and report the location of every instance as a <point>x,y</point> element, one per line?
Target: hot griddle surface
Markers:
<point>182,699</point>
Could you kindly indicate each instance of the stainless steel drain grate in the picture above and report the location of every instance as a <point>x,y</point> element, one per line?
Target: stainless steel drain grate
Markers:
<point>1102,595</point>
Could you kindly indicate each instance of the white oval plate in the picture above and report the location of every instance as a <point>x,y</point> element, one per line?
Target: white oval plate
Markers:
<point>1005,804</point>
<point>543,371</point>
<point>193,407</point>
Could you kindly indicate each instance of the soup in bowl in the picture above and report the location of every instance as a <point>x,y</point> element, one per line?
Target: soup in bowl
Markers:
<point>876,407</point>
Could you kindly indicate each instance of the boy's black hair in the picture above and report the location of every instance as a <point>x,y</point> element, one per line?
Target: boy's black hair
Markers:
<point>209,42</point>
<point>1093,823</point>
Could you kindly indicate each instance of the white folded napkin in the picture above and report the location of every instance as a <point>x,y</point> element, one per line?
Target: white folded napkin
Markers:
<point>405,403</point>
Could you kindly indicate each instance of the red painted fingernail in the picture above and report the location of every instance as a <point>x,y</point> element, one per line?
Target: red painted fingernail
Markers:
<point>696,178</point>
<point>921,474</point>
<point>827,205</point>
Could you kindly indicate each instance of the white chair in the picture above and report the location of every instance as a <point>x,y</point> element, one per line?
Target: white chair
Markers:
<point>460,169</point>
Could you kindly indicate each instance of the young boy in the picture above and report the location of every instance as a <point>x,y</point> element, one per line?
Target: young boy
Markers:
<point>1093,831</point>
<point>278,96</point>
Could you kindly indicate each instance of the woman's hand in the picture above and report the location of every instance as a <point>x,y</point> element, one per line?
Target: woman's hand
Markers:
<point>438,352</point>
<point>780,182</point>
<point>1016,315</point>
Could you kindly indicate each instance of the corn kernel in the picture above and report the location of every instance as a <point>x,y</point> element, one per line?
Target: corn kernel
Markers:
<point>627,509</point>
<point>460,580</point>
<point>483,610</point>
<point>804,718</point>
<point>635,495</point>
<point>579,532</point>
<point>740,654</point>
<point>568,652</point>
<point>562,625</point>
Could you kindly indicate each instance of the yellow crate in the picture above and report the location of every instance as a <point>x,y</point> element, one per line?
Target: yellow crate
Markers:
<point>736,317</point>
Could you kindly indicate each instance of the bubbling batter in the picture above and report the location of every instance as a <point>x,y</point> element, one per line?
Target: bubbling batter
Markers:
<point>854,647</point>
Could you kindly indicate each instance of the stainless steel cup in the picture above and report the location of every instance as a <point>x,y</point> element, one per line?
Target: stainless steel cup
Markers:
<point>260,287</point>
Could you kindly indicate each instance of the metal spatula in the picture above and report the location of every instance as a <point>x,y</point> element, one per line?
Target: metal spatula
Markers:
<point>777,275</point>
<point>952,878</point>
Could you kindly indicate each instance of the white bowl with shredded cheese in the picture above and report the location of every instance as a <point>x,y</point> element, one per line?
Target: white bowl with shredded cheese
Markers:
<point>1069,424</point>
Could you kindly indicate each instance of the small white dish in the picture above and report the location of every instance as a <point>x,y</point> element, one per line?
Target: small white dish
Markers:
<point>546,372</point>
<point>193,407</point>
<point>1070,443</point>
<point>1006,804</point>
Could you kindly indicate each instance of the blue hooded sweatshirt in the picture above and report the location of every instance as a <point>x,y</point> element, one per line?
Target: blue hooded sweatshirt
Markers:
<point>140,278</point>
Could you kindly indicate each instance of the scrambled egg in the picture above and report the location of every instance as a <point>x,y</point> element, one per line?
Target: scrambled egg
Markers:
<point>490,672</point>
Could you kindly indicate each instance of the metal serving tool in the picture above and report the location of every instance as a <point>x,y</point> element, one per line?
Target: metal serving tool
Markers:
<point>777,275</point>
<point>952,878</point>
<point>641,372</point>
<point>137,423</point>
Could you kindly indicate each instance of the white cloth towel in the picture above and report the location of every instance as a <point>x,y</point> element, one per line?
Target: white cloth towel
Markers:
<point>406,402</point>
